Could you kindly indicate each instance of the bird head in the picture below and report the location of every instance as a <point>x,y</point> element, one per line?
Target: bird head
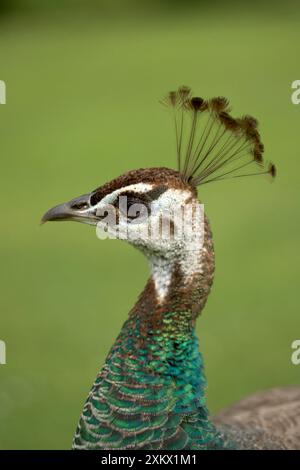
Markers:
<point>143,206</point>
<point>153,209</point>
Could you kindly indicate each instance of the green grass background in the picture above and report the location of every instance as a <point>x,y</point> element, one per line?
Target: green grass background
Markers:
<point>82,107</point>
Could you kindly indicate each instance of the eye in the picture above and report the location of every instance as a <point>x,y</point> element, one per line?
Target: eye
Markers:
<point>134,213</point>
<point>130,203</point>
<point>124,203</point>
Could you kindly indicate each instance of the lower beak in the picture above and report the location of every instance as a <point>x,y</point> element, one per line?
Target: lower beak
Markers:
<point>76,209</point>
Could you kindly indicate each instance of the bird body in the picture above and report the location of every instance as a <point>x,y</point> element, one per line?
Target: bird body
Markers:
<point>150,393</point>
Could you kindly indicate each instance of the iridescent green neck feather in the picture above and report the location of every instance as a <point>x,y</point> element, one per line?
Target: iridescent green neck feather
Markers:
<point>150,393</point>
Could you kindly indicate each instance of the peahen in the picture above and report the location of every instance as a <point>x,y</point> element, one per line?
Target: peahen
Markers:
<point>150,393</point>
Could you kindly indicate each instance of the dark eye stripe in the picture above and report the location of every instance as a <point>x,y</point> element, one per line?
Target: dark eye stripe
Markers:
<point>132,194</point>
<point>132,198</point>
<point>126,200</point>
<point>155,193</point>
<point>144,198</point>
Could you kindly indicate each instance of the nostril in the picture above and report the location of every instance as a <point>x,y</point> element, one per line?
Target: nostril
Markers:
<point>80,205</point>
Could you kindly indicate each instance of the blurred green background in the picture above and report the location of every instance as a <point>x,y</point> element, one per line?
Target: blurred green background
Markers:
<point>83,82</point>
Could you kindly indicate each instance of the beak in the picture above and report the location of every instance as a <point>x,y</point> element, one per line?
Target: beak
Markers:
<point>77,209</point>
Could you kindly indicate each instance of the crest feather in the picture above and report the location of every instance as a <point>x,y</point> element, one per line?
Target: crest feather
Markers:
<point>211,144</point>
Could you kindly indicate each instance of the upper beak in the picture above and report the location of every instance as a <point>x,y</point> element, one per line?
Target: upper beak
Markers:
<point>76,209</point>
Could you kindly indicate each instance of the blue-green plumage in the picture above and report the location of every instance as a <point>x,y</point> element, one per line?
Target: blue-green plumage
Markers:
<point>150,393</point>
<point>150,404</point>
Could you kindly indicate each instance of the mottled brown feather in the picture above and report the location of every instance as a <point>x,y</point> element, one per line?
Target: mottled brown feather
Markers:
<point>272,415</point>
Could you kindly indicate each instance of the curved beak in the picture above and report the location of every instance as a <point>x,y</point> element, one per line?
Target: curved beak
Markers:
<point>77,209</point>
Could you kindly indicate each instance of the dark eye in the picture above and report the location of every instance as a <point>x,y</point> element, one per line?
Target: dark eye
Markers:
<point>126,201</point>
<point>135,212</point>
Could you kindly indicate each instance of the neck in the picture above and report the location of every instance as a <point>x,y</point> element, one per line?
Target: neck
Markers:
<point>178,288</point>
<point>160,331</point>
<point>150,393</point>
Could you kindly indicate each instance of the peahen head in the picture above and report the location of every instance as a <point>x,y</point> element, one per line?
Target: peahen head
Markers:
<point>146,207</point>
<point>157,209</point>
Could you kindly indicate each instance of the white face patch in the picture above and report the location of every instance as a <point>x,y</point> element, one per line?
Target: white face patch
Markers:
<point>165,250</point>
<point>138,188</point>
<point>186,252</point>
<point>109,198</point>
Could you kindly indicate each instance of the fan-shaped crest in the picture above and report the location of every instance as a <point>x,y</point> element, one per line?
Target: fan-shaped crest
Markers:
<point>211,144</point>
